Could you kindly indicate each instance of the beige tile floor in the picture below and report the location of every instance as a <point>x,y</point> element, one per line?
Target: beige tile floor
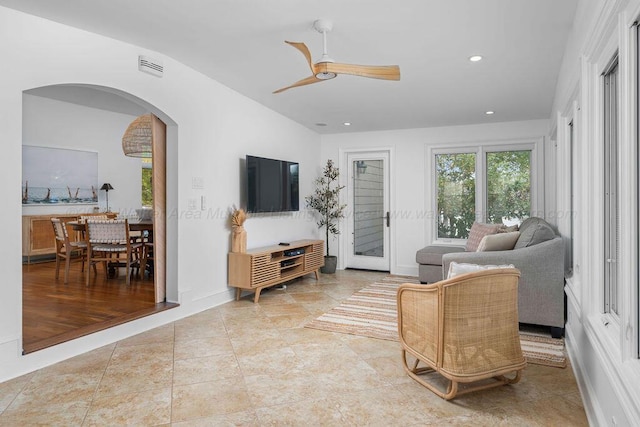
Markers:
<point>255,364</point>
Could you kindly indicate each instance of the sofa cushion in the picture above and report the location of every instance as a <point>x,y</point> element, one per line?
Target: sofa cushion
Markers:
<point>432,255</point>
<point>534,232</point>
<point>458,268</point>
<point>531,221</point>
<point>477,232</point>
<point>498,242</point>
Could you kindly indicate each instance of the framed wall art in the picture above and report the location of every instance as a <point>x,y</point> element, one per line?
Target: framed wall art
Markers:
<point>59,176</point>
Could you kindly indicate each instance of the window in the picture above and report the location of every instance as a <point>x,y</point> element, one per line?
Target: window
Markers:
<point>572,206</point>
<point>456,194</point>
<point>484,183</point>
<point>508,186</point>
<point>147,174</point>
<point>611,214</point>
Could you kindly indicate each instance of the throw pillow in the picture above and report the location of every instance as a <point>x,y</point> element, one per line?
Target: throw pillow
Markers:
<point>456,269</point>
<point>529,222</point>
<point>534,234</point>
<point>477,232</point>
<point>508,228</point>
<point>498,242</point>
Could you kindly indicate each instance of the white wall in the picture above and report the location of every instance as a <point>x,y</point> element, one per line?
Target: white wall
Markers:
<point>52,123</point>
<point>210,129</point>
<point>603,348</point>
<point>213,128</point>
<point>411,211</point>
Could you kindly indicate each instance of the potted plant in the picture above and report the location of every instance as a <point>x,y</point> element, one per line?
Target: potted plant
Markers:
<point>326,201</point>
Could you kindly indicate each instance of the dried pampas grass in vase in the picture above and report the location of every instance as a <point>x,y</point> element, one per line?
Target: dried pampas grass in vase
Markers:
<point>238,234</point>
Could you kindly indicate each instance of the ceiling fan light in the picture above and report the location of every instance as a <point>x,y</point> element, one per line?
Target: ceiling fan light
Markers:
<point>325,76</point>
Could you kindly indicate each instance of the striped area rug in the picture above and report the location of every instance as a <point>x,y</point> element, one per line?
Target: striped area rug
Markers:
<point>372,312</point>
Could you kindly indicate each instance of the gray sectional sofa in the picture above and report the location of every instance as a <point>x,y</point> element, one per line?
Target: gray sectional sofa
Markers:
<point>538,254</point>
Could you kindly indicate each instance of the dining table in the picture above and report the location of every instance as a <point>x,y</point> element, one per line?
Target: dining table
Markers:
<point>134,225</point>
<point>142,225</point>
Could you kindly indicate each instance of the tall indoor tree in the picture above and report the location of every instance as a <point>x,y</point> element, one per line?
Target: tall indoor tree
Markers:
<point>326,201</point>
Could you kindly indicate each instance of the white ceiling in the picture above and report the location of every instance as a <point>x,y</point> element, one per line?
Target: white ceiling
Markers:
<point>240,43</point>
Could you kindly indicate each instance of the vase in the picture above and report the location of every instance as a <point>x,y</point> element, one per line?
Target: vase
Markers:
<point>239,239</point>
<point>330,263</point>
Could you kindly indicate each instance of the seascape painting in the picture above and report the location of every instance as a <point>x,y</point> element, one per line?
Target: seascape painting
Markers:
<point>59,176</point>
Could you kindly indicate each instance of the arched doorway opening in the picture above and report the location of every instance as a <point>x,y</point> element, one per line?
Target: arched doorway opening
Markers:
<point>91,118</point>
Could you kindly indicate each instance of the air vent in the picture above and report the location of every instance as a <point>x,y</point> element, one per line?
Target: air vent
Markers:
<point>150,65</point>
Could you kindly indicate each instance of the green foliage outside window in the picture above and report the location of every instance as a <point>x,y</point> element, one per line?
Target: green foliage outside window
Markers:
<point>508,178</point>
<point>508,186</point>
<point>456,194</point>
<point>147,193</point>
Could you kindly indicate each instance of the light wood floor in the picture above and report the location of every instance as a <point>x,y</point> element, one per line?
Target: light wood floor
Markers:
<point>54,312</point>
<point>250,364</point>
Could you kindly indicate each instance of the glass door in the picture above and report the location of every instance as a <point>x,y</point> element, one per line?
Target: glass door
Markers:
<point>368,202</point>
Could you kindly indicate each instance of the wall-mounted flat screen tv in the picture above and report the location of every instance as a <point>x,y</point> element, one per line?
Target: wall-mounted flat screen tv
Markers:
<point>272,185</point>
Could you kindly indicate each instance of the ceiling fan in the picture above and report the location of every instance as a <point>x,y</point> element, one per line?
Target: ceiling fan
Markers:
<point>326,68</point>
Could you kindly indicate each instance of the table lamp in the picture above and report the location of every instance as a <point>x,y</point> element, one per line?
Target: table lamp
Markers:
<point>106,187</point>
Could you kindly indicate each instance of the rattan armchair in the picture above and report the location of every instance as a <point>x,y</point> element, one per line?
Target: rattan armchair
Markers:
<point>464,329</point>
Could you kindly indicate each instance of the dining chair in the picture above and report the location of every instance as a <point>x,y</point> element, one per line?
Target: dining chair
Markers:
<point>66,248</point>
<point>147,255</point>
<point>108,241</point>
<point>465,329</point>
<point>82,219</point>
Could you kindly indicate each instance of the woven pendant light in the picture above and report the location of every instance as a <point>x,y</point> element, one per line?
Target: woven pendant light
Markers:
<point>137,140</point>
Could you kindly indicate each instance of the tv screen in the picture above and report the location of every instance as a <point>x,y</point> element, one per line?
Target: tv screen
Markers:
<point>272,185</point>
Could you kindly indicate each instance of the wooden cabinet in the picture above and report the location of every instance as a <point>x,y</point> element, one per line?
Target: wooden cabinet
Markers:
<point>37,233</point>
<point>260,268</point>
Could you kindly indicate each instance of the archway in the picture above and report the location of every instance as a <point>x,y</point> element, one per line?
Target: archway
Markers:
<point>97,106</point>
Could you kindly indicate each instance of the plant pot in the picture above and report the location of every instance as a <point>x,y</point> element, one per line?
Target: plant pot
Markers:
<point>330,263</point>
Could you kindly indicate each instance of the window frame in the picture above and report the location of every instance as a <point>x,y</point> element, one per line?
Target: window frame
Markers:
<point>571,150</point>
<point>611,186</point>
<point>480,148</point>
<point>573,184</point>
<point>485,154</point>
<point>436,152</point>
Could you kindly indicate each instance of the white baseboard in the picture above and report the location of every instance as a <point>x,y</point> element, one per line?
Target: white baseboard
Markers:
<point>405,270</point>
<point>587,392</point>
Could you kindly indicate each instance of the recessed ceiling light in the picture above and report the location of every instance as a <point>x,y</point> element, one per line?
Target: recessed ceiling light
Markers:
<point>475,58</point>
<point>488,113</point>
<point>347,123</point>
<point>321,124</point>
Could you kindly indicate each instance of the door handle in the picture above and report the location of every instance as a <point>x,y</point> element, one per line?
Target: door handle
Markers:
<point>388,218</point>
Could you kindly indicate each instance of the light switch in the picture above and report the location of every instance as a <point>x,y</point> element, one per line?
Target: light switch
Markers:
<point>193,204</point>
<point>203,203</point>
<point>197,182</point>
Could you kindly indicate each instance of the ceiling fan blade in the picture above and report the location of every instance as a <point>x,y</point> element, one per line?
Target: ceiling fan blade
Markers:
<point>385,72</point>
<point>304,49</point>
<point>306,81</point>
